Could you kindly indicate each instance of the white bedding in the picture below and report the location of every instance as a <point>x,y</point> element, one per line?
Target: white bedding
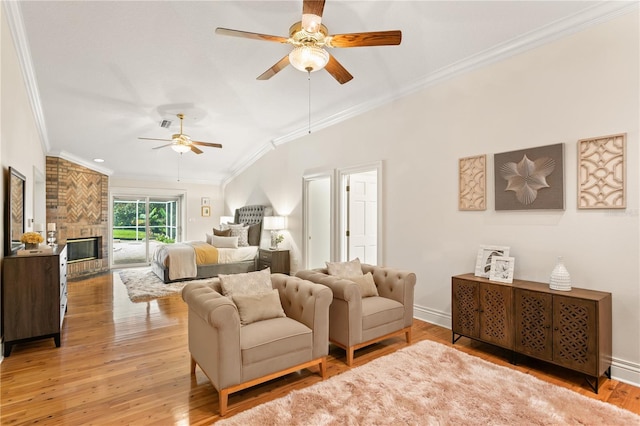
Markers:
<point>231,255</point>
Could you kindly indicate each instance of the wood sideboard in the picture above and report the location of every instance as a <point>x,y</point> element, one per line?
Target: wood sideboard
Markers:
<point>34,297</point>
<point>567,328</point>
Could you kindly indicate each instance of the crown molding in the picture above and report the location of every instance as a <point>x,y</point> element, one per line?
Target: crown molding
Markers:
<point>21,43</point>
<point>594,15</point>
<point>84,163</point>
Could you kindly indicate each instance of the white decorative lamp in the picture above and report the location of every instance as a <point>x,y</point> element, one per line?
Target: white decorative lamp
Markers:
<point>274,224</point>
<point>225,219</point>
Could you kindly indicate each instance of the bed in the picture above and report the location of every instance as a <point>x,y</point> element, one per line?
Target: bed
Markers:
<point>229,261</point>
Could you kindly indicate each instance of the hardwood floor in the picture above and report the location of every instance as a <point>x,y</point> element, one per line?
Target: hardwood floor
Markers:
<point>128,363</point>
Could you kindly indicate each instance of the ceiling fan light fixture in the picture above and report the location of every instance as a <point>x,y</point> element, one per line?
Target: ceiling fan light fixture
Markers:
<point>180,147</point>
<point>308,58</point>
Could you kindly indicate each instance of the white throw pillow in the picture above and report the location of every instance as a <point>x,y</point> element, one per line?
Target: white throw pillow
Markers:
<point>224,242</point>
<point>348,269</point>
<point>258,307</point>
<point>246,283</point>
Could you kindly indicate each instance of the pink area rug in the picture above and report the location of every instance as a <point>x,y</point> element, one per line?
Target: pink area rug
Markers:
<point>432,384</point>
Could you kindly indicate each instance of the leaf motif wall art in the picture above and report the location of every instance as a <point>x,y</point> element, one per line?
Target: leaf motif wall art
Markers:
<point>472,183</point>
<point>601,172</point>
<point>530,179</point>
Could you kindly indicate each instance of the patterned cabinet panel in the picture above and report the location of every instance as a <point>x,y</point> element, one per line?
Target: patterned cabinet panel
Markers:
<point>464,301</point>
<point>534,318</point>
<point>575,333</point>
<point>496,315</point>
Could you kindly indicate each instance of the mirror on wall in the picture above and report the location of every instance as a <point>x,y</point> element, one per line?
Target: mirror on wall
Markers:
<point>15,220</point>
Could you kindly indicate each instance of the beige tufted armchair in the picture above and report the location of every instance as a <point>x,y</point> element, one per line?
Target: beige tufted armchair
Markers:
<point>354,321</point>
<point>235,356</point>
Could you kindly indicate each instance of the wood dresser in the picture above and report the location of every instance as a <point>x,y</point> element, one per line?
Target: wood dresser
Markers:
<point>34,297</point>
<point>567,328</point>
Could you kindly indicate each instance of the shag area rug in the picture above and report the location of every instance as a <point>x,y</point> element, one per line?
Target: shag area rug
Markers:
<point>143,285</point>
<point>432,384</point>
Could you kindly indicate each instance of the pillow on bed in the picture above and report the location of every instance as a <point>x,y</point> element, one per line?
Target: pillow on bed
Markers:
<point>224,242</point>
<point>258,307</point>
<point>254,234</point>
<point>348,269</point>
<point>242,232</point>
<point>366,284</point>
<point>258,282</point>
<point>222,232</point>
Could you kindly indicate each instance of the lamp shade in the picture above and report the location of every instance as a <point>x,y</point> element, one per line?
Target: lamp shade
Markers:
<point>226,219</point>
<point>181,148</point>
<point>273,223</point>
<point>308,58</point>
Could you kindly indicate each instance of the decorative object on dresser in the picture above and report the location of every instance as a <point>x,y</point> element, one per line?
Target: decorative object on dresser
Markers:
<point>571,329</point>
<point>277,260</point>
<point>51,234</point>
<point>31,240</point>
<point>472,183</point>
<point>14,219</point>
<point>602,172</point>
<point>403,388</point>
<point>483,259</point>
<point>34,297</point>
<point>530,178</point>
<point>560,278</point>
<point>502,268</point>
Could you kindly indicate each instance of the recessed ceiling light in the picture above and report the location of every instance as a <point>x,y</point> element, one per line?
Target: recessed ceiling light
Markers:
<point>98,160</point>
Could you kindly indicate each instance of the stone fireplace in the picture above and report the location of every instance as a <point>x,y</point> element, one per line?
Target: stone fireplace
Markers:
<point>78,203</point>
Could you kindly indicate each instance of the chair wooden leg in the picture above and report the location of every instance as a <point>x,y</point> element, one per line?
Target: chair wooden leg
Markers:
<point>350,352</point>
<point>408,335</point>
<point>323,368</point>
<point>223,398</point>
<point>193,366</point>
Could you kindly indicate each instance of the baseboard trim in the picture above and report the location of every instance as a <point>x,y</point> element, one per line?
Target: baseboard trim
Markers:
<point>622,370</point>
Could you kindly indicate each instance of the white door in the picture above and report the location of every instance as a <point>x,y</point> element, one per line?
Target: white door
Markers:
<point>362,217</point>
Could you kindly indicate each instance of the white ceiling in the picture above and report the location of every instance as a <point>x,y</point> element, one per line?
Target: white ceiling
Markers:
<point>104,73</point>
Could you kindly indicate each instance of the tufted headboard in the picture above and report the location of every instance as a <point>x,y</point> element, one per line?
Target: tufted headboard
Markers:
<point>251,215</point>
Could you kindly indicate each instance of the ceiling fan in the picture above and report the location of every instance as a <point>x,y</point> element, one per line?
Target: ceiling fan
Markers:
<point>309,39</point>
<point>182,143</point>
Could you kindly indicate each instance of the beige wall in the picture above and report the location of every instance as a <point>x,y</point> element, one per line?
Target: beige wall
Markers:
<point>582,86</point>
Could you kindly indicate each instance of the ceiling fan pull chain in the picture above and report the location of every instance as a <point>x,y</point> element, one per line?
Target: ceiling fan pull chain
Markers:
<point>179,162</point>
<point>309,78</point>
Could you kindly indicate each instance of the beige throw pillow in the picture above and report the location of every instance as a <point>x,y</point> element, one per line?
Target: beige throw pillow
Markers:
<point>258,307</point>
<point>348,269</point>
<point>258,282</point>
<point>242,232</point>
<point>367,285</point>
<point>224,242</point>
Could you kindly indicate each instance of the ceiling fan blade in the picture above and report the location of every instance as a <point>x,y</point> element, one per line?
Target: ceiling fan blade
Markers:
<point>338,72</point>
<point>154,139</point>
<point>375,38</point>
<point>196,149</point>
<point>212,145</point>
<point>279,66</point>
<point>163,146</point>
<point>313,7</point>
<point>253,36</point>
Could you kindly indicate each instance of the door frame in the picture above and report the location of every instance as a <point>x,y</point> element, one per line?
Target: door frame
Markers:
<point>146,193</point>
<point>343,208</point>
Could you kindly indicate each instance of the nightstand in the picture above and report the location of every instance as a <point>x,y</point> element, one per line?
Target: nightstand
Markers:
<point>277,260</point>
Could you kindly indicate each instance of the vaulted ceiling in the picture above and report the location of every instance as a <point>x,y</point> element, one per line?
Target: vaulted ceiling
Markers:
<point>102,74</point>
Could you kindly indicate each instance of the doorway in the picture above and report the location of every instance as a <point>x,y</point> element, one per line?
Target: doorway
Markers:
<point>343,221</point>
<point>139,224</point>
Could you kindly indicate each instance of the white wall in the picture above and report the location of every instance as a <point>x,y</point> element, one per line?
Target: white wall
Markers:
<point>196,225</point>
<point>583,86</point>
